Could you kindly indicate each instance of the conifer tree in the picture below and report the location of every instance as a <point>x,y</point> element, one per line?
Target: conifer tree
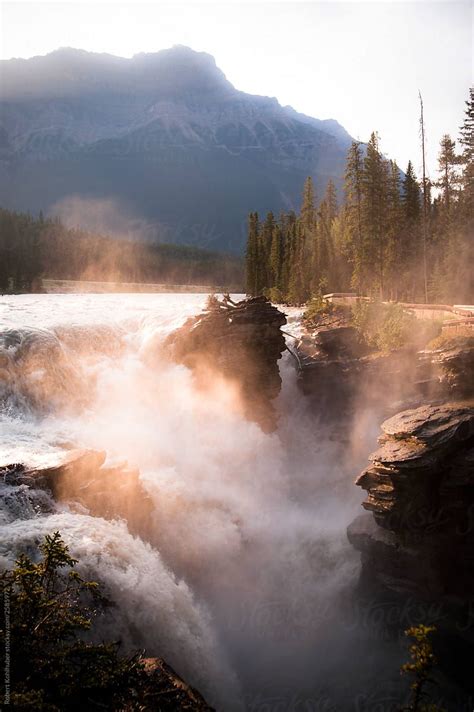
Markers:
<point>447,161</point>
<point>353,193</point>
<point>253,256</point>
<point>374,215</point>
<point>395,257</point>
<point>265,246</point>
<point>276,258</point>
<point>467,158</point>
<point>411,247</point>
<point>308,212</point>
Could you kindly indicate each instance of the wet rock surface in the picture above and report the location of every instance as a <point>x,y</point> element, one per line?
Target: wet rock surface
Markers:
<point>80,477</point>
<point>166,691</point>
<point>338,371</point>
<point>420,491</point>
<point>243,342</point>
<point>453,365</point>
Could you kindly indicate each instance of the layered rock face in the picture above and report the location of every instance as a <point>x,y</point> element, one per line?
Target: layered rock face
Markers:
<point>165,685</point>
<point>453,366</point>
<point>420,486</point>
<point>241,341</point>
<point>339,373</point>
<point>81,477</point>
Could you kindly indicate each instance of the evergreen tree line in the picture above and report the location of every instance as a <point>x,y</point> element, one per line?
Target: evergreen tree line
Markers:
<point>388,239</point>
<point>35,248</point>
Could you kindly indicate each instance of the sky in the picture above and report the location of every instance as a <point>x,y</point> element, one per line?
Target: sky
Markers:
<point>361,63</point>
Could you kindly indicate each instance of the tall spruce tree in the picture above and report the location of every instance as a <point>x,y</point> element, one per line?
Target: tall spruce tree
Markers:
<point>395,258</point>
<point>467,158</point>
<point>308,212</point>
<point>447,161</point>
<point>353,186</point>
<point>375,242</point>
<point>374,216</point>
<point>252,256</point>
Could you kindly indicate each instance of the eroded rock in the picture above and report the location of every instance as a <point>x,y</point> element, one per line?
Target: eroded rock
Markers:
<point>80,477</point>
<point>241,341</point>
<point>420,489</point>
<point>165,690</point>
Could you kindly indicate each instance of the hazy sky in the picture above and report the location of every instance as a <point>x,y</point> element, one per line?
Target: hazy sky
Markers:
<point>361,63</point>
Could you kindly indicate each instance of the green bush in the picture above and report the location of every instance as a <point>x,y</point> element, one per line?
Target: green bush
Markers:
<point>274,295</point>
<point>51,665</point>
<point>319,309</point>
<point>420,667</point>
<point>388,327</point>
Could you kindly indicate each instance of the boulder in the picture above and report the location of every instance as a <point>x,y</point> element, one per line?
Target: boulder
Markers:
<point>241,341</point>
<point>456,363</point>
<point>420,489</point>
<point>165,690</point>
<point>80,477</point>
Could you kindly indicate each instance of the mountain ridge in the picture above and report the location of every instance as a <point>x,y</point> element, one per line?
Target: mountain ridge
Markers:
<point>161,133</point>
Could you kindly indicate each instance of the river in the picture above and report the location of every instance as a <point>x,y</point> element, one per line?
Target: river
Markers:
<point>245,583</point>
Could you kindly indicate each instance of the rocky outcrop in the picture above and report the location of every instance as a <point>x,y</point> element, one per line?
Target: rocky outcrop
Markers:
<point>338,371</point>
<point>241,341</point>
<point>420,491</point>
<point>80,477</point>
<point>165,690</point>
<point>453,365</point>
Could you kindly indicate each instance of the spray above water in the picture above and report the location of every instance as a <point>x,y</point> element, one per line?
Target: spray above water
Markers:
<point>244,563</point>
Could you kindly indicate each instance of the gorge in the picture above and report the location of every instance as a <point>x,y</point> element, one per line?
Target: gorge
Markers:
<point>224,547</point>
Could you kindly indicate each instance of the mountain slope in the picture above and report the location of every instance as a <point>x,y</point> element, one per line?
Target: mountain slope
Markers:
<point>163,138</point>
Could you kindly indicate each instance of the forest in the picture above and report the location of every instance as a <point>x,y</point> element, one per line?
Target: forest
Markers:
<point>393,236</point>
<point>35,248</point>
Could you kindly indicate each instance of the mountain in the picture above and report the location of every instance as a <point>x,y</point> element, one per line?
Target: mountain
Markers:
<point>160,146</point>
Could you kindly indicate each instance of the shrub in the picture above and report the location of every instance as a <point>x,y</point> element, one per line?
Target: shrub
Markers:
<point>52,666</point>
<point>388,327</point>
<point>420,666</point>
<point>319,310</point>
<point>274,295</point>
<point>462,336</point>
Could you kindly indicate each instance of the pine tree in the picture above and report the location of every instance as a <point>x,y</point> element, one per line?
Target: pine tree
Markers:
<point>447,161</point>
<point>374,215</point>
<point>467,158</point>
<point>411,194</point>
<point>326,214</point>
<point>353,194</point>
<point>308,212</point>
<point>395,258</point>
<point>276,258</point>
<point>410,240</point>
<point>252,256</point>
<point>265,246</point>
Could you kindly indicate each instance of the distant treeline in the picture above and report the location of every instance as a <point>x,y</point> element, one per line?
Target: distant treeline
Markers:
<point>389,238</point>
<point>33,248</point>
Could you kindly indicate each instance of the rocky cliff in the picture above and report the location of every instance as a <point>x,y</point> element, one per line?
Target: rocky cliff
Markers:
<point>419,534</point>
<point>241,341</point>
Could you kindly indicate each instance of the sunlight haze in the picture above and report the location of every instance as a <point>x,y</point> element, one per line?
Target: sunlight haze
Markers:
<point>359,63</point>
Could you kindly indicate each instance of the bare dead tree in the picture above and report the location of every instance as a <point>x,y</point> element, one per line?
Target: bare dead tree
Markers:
<point>425,198</point>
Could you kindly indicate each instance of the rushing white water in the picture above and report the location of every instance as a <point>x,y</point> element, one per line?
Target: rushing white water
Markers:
<point>238,583</point>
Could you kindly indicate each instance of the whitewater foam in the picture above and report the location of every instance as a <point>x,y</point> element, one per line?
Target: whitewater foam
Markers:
<point>247,542</point>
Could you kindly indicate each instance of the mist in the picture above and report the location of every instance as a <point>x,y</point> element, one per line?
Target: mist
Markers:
<point>244,568</point>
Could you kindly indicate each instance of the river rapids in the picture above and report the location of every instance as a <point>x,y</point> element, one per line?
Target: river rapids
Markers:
<point>243,582</point>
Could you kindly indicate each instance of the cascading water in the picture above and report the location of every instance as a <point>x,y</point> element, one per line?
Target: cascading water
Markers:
<point>239,581</point>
